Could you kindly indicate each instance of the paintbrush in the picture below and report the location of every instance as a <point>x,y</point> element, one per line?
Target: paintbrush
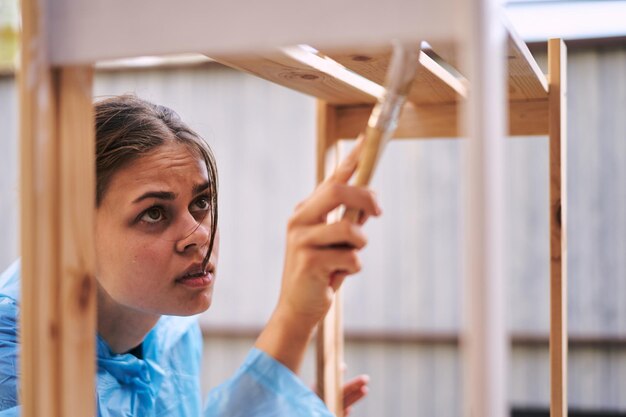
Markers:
<point>384,118</point>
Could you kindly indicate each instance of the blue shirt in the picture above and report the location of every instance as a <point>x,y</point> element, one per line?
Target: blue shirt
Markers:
<point>165,381</point>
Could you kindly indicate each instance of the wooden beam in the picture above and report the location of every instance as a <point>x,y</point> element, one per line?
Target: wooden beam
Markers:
<point>433,84</point>
<point>57,340</point>
<point>286,71</point>
<point>77,253</point>
<point>526,118</point>
<point>330,329</point>
<point>557,64</point>
<point>525,79</point>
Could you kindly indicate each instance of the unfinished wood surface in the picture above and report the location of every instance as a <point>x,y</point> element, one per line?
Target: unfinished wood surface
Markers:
<point>77,255</point>
<point>525,79</point>
<point>557,68</point>
<point>330,329</point>
<point>286,71</point>
<point>526,118</point>
<point>56,341</point>
<point>432,84</point>
<point>39,317</point>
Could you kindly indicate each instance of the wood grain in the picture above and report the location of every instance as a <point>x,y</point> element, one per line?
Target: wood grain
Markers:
<point>525,79</point>
<point>57,197</point>
<point>330,329</point>
<point>432,84</point>
<point>39,316</point>
<point>557,64</point>
<point>77,254</point>
<point>288,72</point>
<point>526,118</point>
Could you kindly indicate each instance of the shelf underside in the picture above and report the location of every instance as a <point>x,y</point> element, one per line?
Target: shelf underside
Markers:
<point>438,89</point>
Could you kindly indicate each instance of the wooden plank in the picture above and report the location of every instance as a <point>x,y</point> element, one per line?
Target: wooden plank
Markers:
<point>526,118</point>
<point>330,329</point>
<point>77,254</point>
<point>432,83</point>
<point>39,321</point>
<point>57,342</point>
<point>288,72</point>
<point>81,32</point>
<point>525,79</point>
<point>557,64</point>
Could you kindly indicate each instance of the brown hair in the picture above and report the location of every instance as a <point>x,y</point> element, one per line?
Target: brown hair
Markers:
<point>128,127</point>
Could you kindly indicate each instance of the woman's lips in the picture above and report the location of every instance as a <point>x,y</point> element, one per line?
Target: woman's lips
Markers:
<point>198,280</point>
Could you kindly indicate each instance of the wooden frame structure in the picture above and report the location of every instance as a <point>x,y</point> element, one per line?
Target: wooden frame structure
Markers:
<point>62,41</point>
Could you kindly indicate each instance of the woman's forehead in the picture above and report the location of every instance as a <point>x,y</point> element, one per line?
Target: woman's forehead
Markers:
<point>171,167</point>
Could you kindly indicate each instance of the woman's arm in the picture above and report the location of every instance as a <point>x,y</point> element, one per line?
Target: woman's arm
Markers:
<point>318,258</point>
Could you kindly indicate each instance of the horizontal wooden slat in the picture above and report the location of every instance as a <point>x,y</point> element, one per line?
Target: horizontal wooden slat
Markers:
<point>432,83</point>
<point>526,118</point>
<point>525,79</point>
<point>288,72</point>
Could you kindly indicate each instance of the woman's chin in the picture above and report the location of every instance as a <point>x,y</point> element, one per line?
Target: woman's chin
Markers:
<point>197,305</point>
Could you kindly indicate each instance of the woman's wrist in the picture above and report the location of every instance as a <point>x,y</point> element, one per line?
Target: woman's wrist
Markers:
<point>286,337</point>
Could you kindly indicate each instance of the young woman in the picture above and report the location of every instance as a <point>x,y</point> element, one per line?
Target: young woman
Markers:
<point>157,246</point>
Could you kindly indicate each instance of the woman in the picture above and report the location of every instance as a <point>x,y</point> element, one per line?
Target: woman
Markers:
<point>157,247</point>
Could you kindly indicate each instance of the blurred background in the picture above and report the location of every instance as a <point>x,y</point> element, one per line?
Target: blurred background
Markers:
<point>402,314</point>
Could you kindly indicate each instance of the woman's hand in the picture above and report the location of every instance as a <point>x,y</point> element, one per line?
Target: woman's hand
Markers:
<point>320,255</point>
<point>318,258</point>
<point>353,391</point>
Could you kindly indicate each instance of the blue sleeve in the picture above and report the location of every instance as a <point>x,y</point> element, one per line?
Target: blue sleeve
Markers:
<point>11,412</point>
<point>8,353</point>
<point>263,387</point>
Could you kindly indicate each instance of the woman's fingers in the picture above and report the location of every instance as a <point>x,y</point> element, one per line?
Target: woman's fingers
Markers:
<point>354,390</point>
<point>342,234</point>
<point>330,262</point>
<point>327,197</point>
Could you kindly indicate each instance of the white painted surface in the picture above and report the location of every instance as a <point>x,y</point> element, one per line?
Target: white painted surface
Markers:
<point>88,31</point>
<point>485,342</point>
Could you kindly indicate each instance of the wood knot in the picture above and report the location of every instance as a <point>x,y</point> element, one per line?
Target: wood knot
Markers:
<point>309,77</point>
<point>557,213</point>
<point>84,292</point>
<point>361,58</point>
<point>53,330</point>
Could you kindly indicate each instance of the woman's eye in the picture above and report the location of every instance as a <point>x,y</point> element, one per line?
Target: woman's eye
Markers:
<point>202,203</point>
<point>152,215</point>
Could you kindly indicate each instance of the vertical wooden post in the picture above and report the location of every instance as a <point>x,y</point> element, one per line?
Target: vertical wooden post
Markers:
<point>485,341</point>
<point>77,352</point>
<point>557,93</point>
<point>330,330</point>
<point>57,319</point>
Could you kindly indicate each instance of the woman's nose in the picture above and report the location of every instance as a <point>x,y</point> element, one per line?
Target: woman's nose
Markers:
<point>196,234</point>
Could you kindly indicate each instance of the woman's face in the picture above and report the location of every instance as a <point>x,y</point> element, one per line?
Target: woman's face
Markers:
<point>153,228</point>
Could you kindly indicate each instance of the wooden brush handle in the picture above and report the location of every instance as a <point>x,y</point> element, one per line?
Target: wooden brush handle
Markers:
<point>367,163</point>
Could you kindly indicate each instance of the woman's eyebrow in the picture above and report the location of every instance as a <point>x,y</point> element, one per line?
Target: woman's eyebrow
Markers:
<point>162,195</point>
<point>198,188</point>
